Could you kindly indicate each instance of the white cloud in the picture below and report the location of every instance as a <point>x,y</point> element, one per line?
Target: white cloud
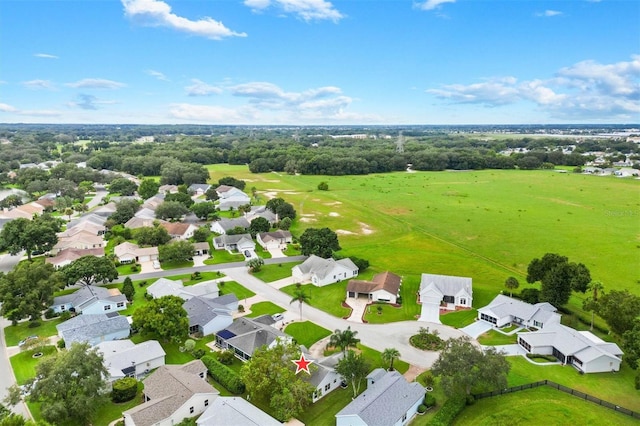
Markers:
<point>34,113</point>
<point>433,4</point>
<point>308,10</point>
<point>88,102</point>
<point>200,88</point>
<point>157,74</point>
<point>208,114</point>
<point>96,83</point>
<point>7,108</point>
<point>45,56</point>
<point>38,84</point>
<point>549,13</point>
<point>158,13</point>
<point>586,90</point>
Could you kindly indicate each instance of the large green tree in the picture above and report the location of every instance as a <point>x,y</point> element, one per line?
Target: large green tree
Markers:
<point>322,242</point>
<point>631,344</point>
<point>590,304</point>
<point>463,367</point>
<point>180,197</point>
<point>71,385</point>
<point>353,368</point>
<point>620,309</point>
<point>122,186</point>
<point>176,251</point>
<point>125,210</point>
<point>203,210</point>
<point>152,235</point>
<point>258,225</point>
<point>38,234</point>
<point>148,188</point>
<point>89,270</point>
<point>165,317</point>
<point>280,207</point>
<point>28,290</point>
<point>558,277</point>
<point>270,377</point>
<point>231,181</point>
<point>344,339</point>
<point>171,210</point>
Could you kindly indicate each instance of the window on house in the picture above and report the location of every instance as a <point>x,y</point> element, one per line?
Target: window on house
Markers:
<point>206,402</point>
<point>107,307</point>
<point>63,307</point>
<point>202,375</point>
<point>327,387</point>
<point>120,304</point>
<point>404,417</point>
<point>191,410</point>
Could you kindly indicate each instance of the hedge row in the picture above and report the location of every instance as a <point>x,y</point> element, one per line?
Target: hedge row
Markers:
<point>449,411</point>
<point>223,375</point>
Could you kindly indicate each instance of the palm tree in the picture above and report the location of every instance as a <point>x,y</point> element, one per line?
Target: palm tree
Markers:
<point>389,355</point>
<point>344,339</point>
<point>591,304</point>
<point>301,297</point>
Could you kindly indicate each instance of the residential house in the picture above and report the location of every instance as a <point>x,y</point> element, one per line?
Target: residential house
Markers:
<point>263,212</point>
<point>87,226</point>
<point>94,328</point>
<point>200,249</point>
<point>168,189</point>
<point>153,202</point>
<point>91,217</point>
<point>198,189</point>
<point>142,222</point>
<point>91,299</point>
<point>234,410</point>
<point>504,310</point>
<point>322,272</point>
<point>179,230</point>
<point>81,241</point>
<point>274,240</point>
<point>389,400</point>
<point>245,335</point>
<point>123,358</point>
<point>105,210</point>
<point>25,211</point>
<point>223,225</point>
<point>208,316</point>
<point>324,377</point>
<point>240,242</point>
<point>230,198</point>
<point>130,253</point>
<point>173,393</point>
<point>66,256</point>
<point>166,287</point>
<point>384,287</point>
<point>48,203</point>
<point>145,213</point>
<point>581,349</point>
<point>436,290</point>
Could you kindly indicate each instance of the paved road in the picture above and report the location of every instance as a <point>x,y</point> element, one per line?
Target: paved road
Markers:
<point>7,378</point>
<point>97,199</point>
<point>8,262</point>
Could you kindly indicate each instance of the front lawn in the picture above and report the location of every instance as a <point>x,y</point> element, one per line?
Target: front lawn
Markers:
<point>493,338</point>
<point>270,273</point>
<point>177,265</point>
<point>262,308</point>
<point>128,269</point>
<point>24,364</point>
<point>14,333</point>
<point>223,256</point>
<point>328,298</point>
<point>227,287</point>
<point>459,319</point>
<point>187,279</point>
<point>543,405</point>
<point>306,333</point>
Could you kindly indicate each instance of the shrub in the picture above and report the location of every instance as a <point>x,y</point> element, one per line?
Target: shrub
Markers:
<point>135,267</point>
<point>34,324</point>
<point>240,308</point>
<point>427,341</point>
<point>189,344</point>
<point>323,186</point>
<point>223,375</point>
<point>65,315</point>
<point>48,314</point>
<point>142,283</point>
<point>226,357</point>
<point>429,400</point>
<point>530,295</point>
<point>422,408</point>
<point>61,344</point>
<point>198,353</point>
<point>124,389</point>
<point>449,411</point>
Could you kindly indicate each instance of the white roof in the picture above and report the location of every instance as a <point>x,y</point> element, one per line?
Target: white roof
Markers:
<point>503,306</point>
<point>122,354</point>
<point>448,285</point>
<point>226,411</point>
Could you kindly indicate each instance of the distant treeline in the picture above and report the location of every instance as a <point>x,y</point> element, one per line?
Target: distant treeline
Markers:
<point>285,150</point>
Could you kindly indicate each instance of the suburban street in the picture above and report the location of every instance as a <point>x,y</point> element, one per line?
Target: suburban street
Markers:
<point>7,378</point>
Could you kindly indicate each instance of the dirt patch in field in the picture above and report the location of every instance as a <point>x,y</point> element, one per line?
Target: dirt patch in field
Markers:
<point>335,203</point>
<point>308,219</point>
<point>344,232</point>
<point>365,229</point>
<point>334,214</point>
<point>563,202</point>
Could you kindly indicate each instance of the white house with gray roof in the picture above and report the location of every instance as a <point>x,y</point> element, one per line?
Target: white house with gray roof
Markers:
<point>123,358</point>
<point>504,310</point>
<point>245,335</point>
<point>94,328</point>
<point>240,242</point>
<point>436,290</point>
<point>389,400</point>
<point>236,411</point>
<point>324,376</point>
<point>208,316</point>
<point>223,225</point>
<point>173,393</point>
<point>321,272</point>
<point>581,349</point>
<point>166,287</point>
<point>91,299</point>
<point>231,198</point>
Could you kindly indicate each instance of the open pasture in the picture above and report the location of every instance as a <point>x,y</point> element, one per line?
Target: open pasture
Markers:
<point>486,224</point>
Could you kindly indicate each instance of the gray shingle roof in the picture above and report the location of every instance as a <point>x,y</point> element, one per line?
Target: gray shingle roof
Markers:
<point>503,306</point>
<point>448,285</point>
<point>228,224</point>
<point>84,328</point>
<point>201,311</point>
<point>121,354</point>
<point>235,411</point>
<point>251,334</point>
<point>322,267</point>
<point>385,402</point>
<point>87,295</point>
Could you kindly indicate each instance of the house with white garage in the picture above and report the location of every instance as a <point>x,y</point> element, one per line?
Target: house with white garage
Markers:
<point>201,249</point>
<point>581,349</point>
<point>263,212</point>
<point>94,329</point>
<point>445,291</point>
<point>91,299</point>
<point>123,358</point>
<point>173,393</point>
<point>86,226</point>
<point>223,225</point>
<point>66,256</point>
<point>82,240</point>
<point>242,243</point>
<point>276,240</point>
<point>198,189</point>
<point>504,310</point>
<point>230,198</point>
<point>166,287</point>
<point>389,400</point>
<point>208,316</point>
<point>131,253</point>
<point>234,410</point>
<point>322,272</point>
<point>384,287</point>
<point>179,231</point>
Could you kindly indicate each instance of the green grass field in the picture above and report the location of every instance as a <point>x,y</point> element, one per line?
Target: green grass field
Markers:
<point>543,405</point>
<point>493,338</point>
<point>487,225</point>
<point>270,273</point>
<point>14,333</point>
<point>262,308</point>
<point>241,292</point>
<point>24,364</point>
<point>306,333</point>
<point>328,298</point>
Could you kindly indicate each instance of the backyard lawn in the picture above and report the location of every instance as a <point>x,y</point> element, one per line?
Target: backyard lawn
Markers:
<point>306,333</point>
<point>328,298</point>
<point>459,319</point>
<point>493,338</point>
<point>542,405</point>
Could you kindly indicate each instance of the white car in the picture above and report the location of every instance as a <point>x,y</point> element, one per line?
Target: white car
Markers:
<point>156,264</point>
<point>277,317</point>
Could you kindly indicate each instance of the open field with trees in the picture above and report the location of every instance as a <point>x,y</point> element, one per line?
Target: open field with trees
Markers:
<point>487,225</point>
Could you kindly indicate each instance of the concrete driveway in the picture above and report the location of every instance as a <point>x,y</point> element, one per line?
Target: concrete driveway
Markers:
<point>147,267</point>
<point>199,260</point>
<point>276,253</point>
<point>358,305</point>
<point>476,329</point>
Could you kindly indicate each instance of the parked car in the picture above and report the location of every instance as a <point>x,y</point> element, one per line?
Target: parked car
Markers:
<point>277,317</point>
<point>156,264</point>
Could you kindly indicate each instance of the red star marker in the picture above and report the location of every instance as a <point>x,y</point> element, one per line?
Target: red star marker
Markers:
<point>302,364</point>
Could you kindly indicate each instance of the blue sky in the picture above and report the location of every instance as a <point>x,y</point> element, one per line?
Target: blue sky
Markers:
<point>319,61</point>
